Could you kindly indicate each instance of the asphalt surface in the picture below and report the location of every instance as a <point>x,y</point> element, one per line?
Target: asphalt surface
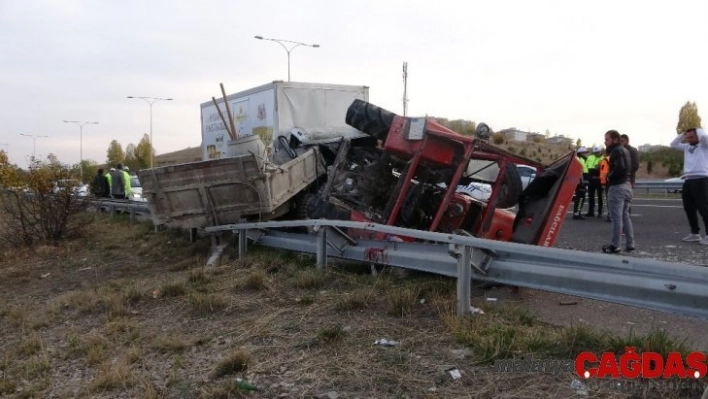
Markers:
<point>659,226</point>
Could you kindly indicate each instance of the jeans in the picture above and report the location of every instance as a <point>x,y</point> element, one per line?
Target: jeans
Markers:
<point>695,198</point>
<point>618,199</point>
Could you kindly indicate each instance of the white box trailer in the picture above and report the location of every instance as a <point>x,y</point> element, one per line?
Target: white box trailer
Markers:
<point>274,109</point>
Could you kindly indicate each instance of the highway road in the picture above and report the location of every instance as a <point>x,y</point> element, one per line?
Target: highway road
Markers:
<point>659,226</point>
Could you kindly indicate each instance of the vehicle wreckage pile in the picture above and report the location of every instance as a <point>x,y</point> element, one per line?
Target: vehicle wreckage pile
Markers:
<point>399,171</point>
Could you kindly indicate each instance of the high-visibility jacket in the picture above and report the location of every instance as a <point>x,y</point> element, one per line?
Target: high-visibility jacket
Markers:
<point>593,163</point>
<point>108,177</point>
<point>583,162</point>
<point>604,170</point>
<point>126,182</point>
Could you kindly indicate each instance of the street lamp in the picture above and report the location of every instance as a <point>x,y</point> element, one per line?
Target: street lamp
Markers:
<point>81,144</point>
<point>34,141</point>
<point>288,50</point>
<point>151,101</point>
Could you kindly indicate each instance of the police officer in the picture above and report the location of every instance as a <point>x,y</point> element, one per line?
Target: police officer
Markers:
<point>582,185</point>
<point>594,184</point>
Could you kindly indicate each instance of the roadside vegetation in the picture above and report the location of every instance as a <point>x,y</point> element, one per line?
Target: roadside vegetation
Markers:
<point>92,306</point>
<point>127,311</point>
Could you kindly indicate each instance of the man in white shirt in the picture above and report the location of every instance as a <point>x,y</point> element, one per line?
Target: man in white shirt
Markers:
<point>694,143</point>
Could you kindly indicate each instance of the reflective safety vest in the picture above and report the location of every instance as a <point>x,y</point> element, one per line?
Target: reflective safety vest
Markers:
<point>584,163</point>
<point>604,169</point>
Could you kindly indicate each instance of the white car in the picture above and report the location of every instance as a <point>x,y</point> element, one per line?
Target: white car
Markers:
<point>527,174</point>
<point>77,188</point>
<point>136,190</point>
<point>482,191</point>
<point>479,191</point>
<point>675,180</point>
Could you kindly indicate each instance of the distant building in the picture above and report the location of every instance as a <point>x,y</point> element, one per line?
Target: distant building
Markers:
<point>559,140</point>
<point>513,133</point>
<point>649,147</point>
<point>191,154</point>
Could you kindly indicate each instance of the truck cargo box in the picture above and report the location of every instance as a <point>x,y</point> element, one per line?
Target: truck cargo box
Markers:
<point>273,109</point>
<point>224,191</point>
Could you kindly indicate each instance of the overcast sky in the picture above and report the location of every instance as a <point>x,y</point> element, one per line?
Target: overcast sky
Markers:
<point>574,68</point>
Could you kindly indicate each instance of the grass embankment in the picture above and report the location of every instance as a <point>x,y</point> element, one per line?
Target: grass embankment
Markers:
<point>130,312</point>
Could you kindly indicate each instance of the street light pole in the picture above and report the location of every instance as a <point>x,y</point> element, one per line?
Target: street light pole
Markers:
<point>34,142</point>
<point>151,101</point>
<point>288,50</point>
<point>81,144</point>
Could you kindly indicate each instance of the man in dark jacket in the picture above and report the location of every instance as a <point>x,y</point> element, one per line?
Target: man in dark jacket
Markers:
<point>633,157</point>
<point>619,193</point>
<point>117,182</point>
<point>100,185</point>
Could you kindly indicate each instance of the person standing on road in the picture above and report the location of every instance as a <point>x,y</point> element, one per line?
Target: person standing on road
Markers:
<point>594,185</point>
<point>619,194</point>
<point>126,181</point>
<point>694,143</point>
<point>117,182</point>
<point>582,185</point>
<point>604,171</point>
<point>634,158</point>
<point>100,185</point>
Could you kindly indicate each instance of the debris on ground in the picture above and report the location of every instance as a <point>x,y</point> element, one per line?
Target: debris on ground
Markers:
<point>455,373</point>
<point>579,387</point>
<point>328,395</point>
<point>475,310</point>
<point>386,342</point>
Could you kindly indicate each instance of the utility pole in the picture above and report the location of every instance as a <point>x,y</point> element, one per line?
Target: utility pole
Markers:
<point>405,88</point>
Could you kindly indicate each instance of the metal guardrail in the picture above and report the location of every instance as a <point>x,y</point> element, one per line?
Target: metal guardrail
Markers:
<point>647,283</point>
<point>113,206</point>
<point>657,187</point>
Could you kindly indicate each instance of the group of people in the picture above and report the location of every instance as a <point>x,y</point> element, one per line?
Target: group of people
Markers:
<point>610,173</point>
<point>614,174</point>
<point>112,184</point>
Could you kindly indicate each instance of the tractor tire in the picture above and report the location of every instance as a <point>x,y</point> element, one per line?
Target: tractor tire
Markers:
<point>511,188</point>
<point>302,204</point>
<point>370,119</point>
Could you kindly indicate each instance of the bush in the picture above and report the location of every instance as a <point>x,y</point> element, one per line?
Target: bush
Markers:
<point>31,213</point>
<point>497,138</point>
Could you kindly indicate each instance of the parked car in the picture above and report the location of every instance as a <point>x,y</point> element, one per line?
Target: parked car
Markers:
<point>482,191</point>
<point>479,191</point>
<point>77,188</point>
<point>675,180</point>
<point>136,190</point>
<point>527,174</point>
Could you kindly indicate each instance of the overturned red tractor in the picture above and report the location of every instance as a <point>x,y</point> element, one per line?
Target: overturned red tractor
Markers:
<point>407,172</point>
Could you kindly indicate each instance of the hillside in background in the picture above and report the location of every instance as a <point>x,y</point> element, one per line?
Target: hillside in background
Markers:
<point>660,163</point>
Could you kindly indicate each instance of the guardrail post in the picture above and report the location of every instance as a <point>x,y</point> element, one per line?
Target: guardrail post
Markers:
<point>242,244</point>
<point>112,209</point>
<point>464,280</point>
<point>322,248</point>
<point>132,215</point>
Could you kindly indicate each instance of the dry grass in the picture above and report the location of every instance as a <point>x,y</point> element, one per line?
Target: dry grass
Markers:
<point>134,325</point>
<point>113,376</point>
<point>171,344</point>
<point>204,304</point>
<point>234,362</point>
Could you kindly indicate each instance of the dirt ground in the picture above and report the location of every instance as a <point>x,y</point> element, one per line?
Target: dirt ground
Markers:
<point>128,312</point>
